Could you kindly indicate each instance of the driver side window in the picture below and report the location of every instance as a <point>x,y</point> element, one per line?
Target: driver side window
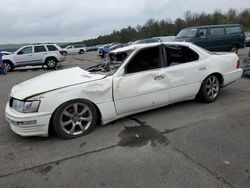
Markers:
<point>26,50</point>
<point>145,59</point>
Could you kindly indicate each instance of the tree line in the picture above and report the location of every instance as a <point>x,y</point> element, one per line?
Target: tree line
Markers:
<point>153,28</point>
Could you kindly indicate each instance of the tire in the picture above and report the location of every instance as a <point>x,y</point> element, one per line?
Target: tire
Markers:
<point>235,49</point>
<point>8,66</point>
<point>210,89</point>
<point>69,122</point>
<point>81,52</point>
<point>51,63</point>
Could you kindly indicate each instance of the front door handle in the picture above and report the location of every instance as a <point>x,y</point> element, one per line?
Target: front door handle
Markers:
<point>160,77</point>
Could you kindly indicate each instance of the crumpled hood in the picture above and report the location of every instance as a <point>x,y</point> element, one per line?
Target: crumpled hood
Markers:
<point>53,80</point>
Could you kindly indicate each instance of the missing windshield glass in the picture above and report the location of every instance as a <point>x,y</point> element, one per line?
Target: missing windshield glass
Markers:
<point>112,63</point>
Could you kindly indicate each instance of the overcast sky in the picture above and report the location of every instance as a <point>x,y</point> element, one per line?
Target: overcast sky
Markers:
<point>24,21</point>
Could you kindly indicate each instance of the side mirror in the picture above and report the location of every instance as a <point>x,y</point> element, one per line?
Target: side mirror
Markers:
<point>20,53</point>
<point>201,34</point>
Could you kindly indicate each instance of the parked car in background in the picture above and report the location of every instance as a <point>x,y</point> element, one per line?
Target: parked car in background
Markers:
<point>247,40</point>
<point>91,48</point>
<point>32,55</point>
<point>165,38</point>
<point>105,49</point>
<point>135,78</point>
<point>2,66</point>
<point>116,46</point>
<point>75,49</point>
<point>5,53</point>
<point>145,41</point>
<point>229,37</point>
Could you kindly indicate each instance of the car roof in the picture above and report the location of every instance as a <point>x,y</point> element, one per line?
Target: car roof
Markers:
<point>206,26</point>
<point>145,45</point>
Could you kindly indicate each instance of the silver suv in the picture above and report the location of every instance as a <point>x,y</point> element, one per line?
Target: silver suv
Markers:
<point>32,55</point>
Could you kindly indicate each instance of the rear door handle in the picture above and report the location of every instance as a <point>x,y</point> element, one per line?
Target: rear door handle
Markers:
<point>160,77</point>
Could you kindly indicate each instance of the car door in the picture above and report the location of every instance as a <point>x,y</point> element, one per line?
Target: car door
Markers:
<point>184,72</point>
<point>70,49</point>
<point>142,84</point>
<point>217,39</point>
<point>39,52</point>
<point>24,56</point>
<point>202,38</point>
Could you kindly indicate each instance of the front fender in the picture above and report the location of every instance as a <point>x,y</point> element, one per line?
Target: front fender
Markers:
<point>98,92</point>
<point>6,58</point>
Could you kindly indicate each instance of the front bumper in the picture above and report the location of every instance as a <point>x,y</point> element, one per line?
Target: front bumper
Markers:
<point>30,124</point>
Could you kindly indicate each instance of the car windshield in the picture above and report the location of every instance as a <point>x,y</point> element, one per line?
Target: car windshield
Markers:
<point>112,62</point>
<point>190,32</point>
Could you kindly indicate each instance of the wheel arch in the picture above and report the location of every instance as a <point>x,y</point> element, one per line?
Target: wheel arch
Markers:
<point>9,60</point>
<point>48,57</point>
<point>219,76</point>
<point>81,50</point>
<point>99,115</point>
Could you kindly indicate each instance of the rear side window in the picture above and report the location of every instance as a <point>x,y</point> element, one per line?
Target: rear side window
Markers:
<point>217,31</point>
<point>177,55</point>
<point>52,48</point>
<point>39,49</point>
<point>233,30</point>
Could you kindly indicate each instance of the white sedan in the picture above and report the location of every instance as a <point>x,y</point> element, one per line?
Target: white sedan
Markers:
<point>134,79</point>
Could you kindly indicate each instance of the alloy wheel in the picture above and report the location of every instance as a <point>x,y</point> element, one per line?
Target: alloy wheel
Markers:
<point>212,87</point>
<point>7,67</point>
<point>51,63</point>
<point>76,119</point>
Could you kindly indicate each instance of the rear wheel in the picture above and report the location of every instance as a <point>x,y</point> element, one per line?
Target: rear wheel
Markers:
<point>8,66</point>
<point>51,63</point>
<point>210,89</point>
<point>74,118</point>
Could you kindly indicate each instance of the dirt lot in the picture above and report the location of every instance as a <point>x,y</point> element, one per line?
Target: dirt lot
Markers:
<point>188,144</point>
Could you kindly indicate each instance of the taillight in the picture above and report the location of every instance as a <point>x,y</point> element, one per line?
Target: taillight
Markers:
<point>238,64</point>
<point>61,52</point>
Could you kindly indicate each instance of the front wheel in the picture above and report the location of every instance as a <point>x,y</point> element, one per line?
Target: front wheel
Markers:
<point>81,52</point>
<point>74,118</point>
<point>210,89</point>
<point>8,66</point>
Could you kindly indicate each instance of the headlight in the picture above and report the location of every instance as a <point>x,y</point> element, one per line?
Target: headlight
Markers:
<point>25,106</point>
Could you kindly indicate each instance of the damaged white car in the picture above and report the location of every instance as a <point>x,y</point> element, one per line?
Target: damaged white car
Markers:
<point>134,79</point>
